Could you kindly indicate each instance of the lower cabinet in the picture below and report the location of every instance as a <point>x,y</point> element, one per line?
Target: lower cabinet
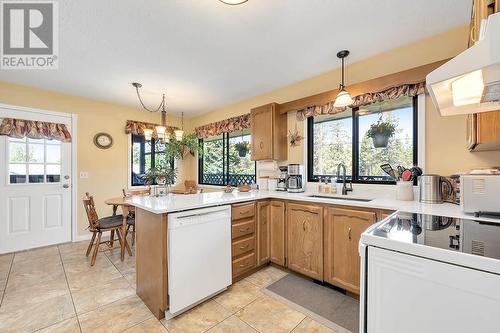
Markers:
<point>278,236</point>
<point>342,231</point>
<point>305,239</point>
<point>263,232</point>
<point>243,234</point>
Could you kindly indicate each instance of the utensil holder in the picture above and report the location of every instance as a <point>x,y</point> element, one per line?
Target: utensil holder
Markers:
<point>404,190</point>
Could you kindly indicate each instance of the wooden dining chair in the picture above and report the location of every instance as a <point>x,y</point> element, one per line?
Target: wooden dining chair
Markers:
<point>131,211</point>
<point>97,226</point>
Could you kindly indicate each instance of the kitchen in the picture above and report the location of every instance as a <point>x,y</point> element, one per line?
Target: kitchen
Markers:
<point>326,203</point>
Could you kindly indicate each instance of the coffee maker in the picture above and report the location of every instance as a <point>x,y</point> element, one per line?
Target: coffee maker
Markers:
<point>294,183</point>
<point>281,185</point>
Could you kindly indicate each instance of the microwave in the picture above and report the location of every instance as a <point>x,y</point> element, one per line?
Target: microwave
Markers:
<point>480,194</point>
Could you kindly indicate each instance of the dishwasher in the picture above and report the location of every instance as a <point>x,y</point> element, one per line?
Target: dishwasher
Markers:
<point>199,256</point>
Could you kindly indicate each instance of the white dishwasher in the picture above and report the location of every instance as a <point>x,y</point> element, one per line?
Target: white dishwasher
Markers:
<point>199,256</point>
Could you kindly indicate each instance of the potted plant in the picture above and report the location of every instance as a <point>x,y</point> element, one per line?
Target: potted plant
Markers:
<point>381,132</point>
<point>179,149</point>
<point>241,148</point>
<point>162,176</point>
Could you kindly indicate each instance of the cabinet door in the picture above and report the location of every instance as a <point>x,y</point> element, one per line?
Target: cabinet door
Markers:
<point>305,240</point>
<point>263,232</point>
<point>262,132</point>
<point>343,229</point>
<point>278,232</point>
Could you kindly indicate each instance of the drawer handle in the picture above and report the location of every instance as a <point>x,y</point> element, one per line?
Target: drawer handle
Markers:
<point>245,212</point>
<point>246,229</point>
<point>243,265</point>
<point>350,230</point>
<point>244,247</point>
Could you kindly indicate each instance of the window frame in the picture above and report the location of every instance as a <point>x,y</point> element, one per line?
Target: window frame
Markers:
<point>142,155</point>
<point>355,147</point>
<point>225,163</point>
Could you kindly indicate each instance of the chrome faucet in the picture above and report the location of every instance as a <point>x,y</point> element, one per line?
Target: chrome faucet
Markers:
<point>345,189</point>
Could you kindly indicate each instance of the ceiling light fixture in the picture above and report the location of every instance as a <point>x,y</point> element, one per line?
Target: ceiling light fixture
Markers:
<point>343,98</point>
<point>161,130</point>
<point>233,2</point>
<point>179,133</point>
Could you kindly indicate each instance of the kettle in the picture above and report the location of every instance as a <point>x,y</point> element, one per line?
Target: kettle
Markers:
<point>431,188</point>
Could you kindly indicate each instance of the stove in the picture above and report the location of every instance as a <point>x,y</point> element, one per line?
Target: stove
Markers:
<point>452,234</point>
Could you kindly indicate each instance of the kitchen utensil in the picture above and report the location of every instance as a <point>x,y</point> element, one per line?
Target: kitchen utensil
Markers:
<point>388,170</point>
<point>416,172</point>
<point>406,175</point>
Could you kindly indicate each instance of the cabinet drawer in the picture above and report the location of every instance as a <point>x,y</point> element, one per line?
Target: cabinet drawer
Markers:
<point>243,264</point>
<point>243,246</point>
<point>243,229</point>
<point>243,211</point>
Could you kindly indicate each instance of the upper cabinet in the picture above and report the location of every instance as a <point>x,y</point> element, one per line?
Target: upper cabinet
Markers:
<point>483,129</point>
<point>481,9</point>
<point>269,133</point>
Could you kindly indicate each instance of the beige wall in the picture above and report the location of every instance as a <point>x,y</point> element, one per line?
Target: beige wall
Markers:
<point>107,168</point>
<point>445,136</point>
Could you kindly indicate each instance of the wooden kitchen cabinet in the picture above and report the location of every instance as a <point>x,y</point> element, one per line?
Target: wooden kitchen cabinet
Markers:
<point>269,133</point>
<point>342,231</point>
<point>278,236</point>
<point>243,235</point>
<point>483,131</point>
<point>305,239</point>
<point>481,9</point>
<point>263,232</point>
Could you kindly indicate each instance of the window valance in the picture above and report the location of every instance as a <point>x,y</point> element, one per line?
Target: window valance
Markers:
<point>20,128</point>
<point>138,127</point>
<point>224,126</point>
<point>409,90</point>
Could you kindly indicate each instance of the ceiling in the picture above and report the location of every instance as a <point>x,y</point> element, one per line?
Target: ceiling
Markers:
<point>206,55</point>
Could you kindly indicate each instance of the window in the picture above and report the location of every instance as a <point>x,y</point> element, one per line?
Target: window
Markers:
<point>34,161</point>
<point>342,138</point>
<point>221,164</point>
<point>146,155</point>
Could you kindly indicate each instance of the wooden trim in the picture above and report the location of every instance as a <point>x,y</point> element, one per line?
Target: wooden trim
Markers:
<point>409,76</point>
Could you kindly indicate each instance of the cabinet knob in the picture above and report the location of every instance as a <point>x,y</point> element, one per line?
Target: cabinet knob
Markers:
<point>350,230</point>
<point>261,145</point>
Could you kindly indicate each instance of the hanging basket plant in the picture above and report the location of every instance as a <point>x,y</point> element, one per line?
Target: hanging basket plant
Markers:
<point>381,132</point>
<point>242,148</point>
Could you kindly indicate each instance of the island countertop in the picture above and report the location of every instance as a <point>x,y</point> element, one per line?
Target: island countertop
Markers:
<point>176,203</point>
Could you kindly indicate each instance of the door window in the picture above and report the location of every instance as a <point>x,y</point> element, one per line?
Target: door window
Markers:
<point>34,161</point>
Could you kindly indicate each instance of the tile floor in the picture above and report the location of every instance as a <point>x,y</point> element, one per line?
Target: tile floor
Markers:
<point>54,289</point>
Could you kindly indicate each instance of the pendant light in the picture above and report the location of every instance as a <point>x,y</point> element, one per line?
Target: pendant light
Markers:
<point>161,130</point>
<point>233,2</point>
<point>343,99</point>
<point>179,133</point>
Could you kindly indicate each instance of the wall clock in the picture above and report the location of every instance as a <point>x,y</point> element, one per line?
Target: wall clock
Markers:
<point>103,140</point>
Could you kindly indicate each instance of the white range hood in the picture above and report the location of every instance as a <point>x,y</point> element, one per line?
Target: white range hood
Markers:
<point>470,82</point>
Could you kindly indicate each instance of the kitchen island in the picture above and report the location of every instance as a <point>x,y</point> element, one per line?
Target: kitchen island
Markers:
<point>152,229</point>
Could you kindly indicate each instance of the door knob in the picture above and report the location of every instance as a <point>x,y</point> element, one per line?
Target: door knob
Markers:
<point>66,186</point>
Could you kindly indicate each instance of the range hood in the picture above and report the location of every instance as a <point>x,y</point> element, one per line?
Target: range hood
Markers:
<point>470,82</point>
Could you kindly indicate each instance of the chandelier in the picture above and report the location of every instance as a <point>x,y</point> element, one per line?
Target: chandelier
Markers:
<point>161,130</point>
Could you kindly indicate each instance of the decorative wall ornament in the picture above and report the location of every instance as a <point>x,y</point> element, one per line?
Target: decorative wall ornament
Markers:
<point>224,126</point>
<point>20,128</point>
<point>294,137</point>
<point>409,90</point>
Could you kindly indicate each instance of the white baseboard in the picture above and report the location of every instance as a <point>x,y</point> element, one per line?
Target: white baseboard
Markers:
<point>80,238</point>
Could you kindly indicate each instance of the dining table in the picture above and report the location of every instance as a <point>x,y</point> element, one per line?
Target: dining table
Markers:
<point>126,208</point>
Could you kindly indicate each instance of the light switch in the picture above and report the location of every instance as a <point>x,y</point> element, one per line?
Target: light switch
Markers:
<point>84,174</point>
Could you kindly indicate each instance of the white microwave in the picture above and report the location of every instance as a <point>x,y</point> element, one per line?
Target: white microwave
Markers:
<point>480,194</point>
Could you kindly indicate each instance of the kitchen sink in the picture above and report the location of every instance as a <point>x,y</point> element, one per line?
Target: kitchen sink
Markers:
<point>338,198</point>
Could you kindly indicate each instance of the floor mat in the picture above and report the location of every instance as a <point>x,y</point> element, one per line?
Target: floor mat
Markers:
<point>324,304</point>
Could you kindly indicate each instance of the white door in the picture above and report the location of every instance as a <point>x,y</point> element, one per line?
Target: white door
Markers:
<point>35,187</point>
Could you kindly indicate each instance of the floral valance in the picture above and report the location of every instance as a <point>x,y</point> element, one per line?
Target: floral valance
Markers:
<point>20,128</point>
<point>224,126</point>
<point>138,127</point>
<point>409,90</point>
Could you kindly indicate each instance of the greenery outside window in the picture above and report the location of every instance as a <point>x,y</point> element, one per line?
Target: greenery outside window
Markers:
<point>342,138</point>
<point>221,164</point>
<point>146,155</point>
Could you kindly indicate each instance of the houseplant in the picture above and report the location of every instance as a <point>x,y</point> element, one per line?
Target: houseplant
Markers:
<point>180,149</point>
<point>381,132</point>
<point>162,176</point>
<point>242,148</point>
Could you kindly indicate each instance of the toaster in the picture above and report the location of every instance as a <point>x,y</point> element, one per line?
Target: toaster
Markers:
<point>480,194</point>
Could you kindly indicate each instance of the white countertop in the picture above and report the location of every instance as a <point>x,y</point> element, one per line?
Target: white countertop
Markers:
<point>175,203</point>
